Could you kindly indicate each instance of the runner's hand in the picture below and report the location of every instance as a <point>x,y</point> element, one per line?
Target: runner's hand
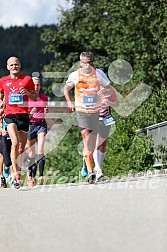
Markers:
<point>33,111</point>
<point>71,107</point>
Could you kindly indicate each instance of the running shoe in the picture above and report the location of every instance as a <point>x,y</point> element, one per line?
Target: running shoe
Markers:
<point>99,176</point>
<point>31,182</point>
<point>6,171</point>
<point>40,180</point>
<point>84,170</point>
<point>3,182</point>
<point>17,181</point>
<point>91,178</point>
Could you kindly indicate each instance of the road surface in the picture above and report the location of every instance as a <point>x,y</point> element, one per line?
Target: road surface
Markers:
<point>118,216</point>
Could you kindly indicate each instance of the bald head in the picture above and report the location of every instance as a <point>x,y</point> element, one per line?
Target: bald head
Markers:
<point>13,65</point>
<point>11,59</point>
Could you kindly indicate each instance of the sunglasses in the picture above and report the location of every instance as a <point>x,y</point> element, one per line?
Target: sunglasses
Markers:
<point>87,62</point>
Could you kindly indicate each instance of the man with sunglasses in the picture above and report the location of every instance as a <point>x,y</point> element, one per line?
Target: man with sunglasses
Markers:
<point>17,89</point>
<point>106,126</point>
<point>90,84</point>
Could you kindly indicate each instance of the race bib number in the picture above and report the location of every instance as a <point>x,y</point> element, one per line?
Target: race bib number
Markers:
<point>90,99</point>
<point>15,98</point>
<point>108,120</point>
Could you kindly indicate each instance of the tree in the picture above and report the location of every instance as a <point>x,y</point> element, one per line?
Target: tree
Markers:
<point>131,30</point>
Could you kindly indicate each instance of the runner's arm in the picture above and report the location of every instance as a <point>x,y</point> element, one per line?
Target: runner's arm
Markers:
<point>31,94</point>
<point>70,105</point>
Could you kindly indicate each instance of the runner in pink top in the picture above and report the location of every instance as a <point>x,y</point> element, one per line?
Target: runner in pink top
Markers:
<point>36,134</point>
<point>39,107</point>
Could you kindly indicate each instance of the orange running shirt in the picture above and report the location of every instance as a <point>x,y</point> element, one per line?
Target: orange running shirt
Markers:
<point>86,89</point>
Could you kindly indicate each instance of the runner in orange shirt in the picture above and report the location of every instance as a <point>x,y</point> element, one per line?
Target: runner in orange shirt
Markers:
<point>87,81</point>
<point>106,121</point>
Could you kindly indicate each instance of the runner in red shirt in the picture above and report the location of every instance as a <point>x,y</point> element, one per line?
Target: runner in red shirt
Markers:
<point>17,88</point>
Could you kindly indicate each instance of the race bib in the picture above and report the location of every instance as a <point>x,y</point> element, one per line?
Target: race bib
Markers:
<point>15,98</point>
<point>108,120</point>
<point>90,99</point>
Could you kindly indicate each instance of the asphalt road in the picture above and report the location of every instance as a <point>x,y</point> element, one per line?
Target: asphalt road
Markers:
<point>120,216</point>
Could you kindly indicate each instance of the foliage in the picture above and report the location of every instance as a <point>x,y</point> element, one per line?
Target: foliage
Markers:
<point>161,152</point>
<point>25,43</point>
<point>131,30</point>
<point>64,161</point>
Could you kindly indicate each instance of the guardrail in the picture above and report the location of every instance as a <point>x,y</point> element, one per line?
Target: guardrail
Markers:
<point>159,133</point>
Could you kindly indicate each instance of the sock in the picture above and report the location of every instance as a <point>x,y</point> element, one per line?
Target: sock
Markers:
<point>34,169</point>
<point>84,163</point>
<point>30,163</point>
<point>41,164</point>
<point>6,167</point>
<point>98,157</point>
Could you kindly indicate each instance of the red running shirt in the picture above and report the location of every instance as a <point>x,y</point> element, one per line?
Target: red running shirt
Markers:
<point>16,103</point>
